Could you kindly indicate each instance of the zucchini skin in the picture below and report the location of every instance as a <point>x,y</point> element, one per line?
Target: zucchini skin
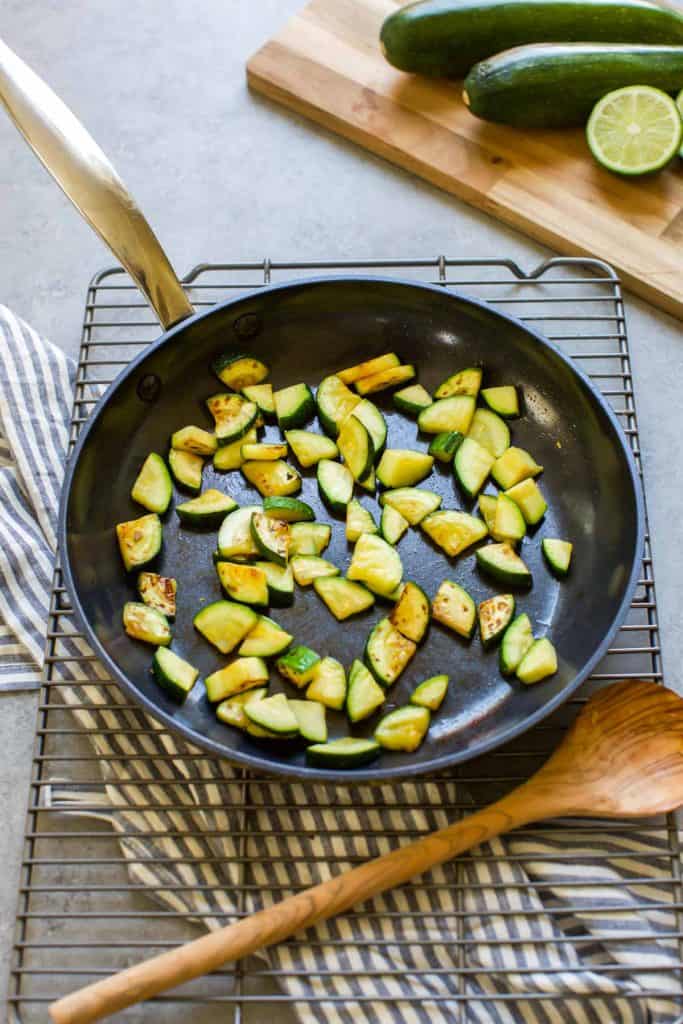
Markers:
<point>556,85</point>
<point>446,37</point>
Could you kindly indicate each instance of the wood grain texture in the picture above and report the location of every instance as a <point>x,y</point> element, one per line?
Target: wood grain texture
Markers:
<point>326,64</point>
<point>623,757</point>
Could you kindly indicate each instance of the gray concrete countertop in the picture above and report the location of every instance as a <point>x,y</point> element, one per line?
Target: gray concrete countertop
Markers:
<point>224,175</point>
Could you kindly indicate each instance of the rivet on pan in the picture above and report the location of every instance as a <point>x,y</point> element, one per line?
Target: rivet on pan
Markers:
<point>149,387</point>
<point>248,326</point>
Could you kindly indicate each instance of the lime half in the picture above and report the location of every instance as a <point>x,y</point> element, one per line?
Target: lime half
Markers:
<point>635,130</point>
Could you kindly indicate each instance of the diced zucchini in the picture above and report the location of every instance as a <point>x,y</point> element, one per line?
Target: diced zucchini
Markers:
<point>384,379</point>
<point>412,502</point>
<point>273,714</point>
<point>347,752</point>
<point>194,440</point>
<point>294,406</point>
<point>403,467</point>
<point>471,465</point>
<point>539,662</point>
<point>310,718</point>
<point>358,520</point>
<point>308,538</point>
<point>513,466</point>
<point>403,729</point>
<point>289,510</point>
<point>495,615</point>
<point>310,448</point>
<point>245,583</point>
<point>280,584</point>
<point>453,531</point>
<point>186,469</point>
<point>262,452</point>
<point>388,652</point>
<point>364,695</point>
<point>147,624</point>
<point>234,537</point>
<point>139,540</point>
<point>272,478</point>
<point>502,562</point>
<point>271,537</point>
<point>158,592</point>
<point>369,482</point>
<point>410,614</point>
<point>527,495</point>
<point>376,564</point>
<point>230,455</point>
<point>262,397</point>
<point>231,710</point>
<point>234,416</point>
<point>298,665</point>
<point>517,640</point>
<point>558,554</point>
<point>392,525</point>
<point>241,674</point>
<point>502,400</point>
<point>487,506</point>
<point>173,674</point>
<point>209,509</point>
<point>336,485</point>
<point>430,693</point>
<point>265,640</point>
<point>465,382</point>
<point>447,414</point>
<point>225,624</point>
<point>370,366</point>
<point>308,568</point>
<point>453,607</point>
<point>412,400</point>
<point>237,371</point>
<point>356,447</point>
<point>445,445</point>
<point>374,422</point>
<point>343,597</point>
<point>153,488</point>
<point>328,685</point>
<point>509,523</point>
<point>490,431</point>
<point>335,402</point>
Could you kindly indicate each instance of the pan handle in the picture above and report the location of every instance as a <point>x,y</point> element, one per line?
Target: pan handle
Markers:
<point>82,170</point>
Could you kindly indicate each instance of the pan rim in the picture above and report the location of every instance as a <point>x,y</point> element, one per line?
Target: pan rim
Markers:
<point>304,772</point>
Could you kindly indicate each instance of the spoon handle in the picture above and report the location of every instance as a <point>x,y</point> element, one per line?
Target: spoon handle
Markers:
<point>291,915</point>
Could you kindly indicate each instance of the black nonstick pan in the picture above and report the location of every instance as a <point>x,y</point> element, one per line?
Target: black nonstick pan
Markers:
<point>304,331</point>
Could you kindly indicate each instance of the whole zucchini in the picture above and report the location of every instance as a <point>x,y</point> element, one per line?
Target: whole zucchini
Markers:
<point>556,85</point>
<point>446,37</point>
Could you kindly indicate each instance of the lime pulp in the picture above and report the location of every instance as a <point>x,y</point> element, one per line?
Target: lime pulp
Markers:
<point>635,130</point>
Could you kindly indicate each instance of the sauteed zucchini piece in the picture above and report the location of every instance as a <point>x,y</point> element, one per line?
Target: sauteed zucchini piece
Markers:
<point>262,396</point>
<point>412,400</point>
<point>186,469</point>
<point>158,592</point>
<point>262,452</point>
<point>308,568</point>
<point>328,685</point>
<point>335,402</point>
<point>238,371</point>
<point>343,597</point>
<point>487,506</point>
<point>244,583</point>
<point>309,538</point>
<point>376,365</point>
<point>265,640</point>
<point>558,554</point>
<point>225,624</point>
<point>234,416</point>
<point>490,431</point>
<point>358,520</point>
<point>445,445</point>
<point>403,729</point>
<point>495,615</point>
<point>139,540</point>
<point>388,652</point>
<point>385,379</point>
<point>527,495</point>
<point>310,718</point>
<point>294,406</point>
<point>336,485</point>
<point>430,693</point>
<point>403,467</point>
<point>503,563</point>
<point>194,440</point>
<point>347,752</point>
<point>509,522</point>
<point>173,674</point>
<point>513,466</point>
<point>517,640</point>
<point>502,400</point>
<point>298,665</point>
<point>356,447</point>
<point>412,502</point>
<point>230,455</point>
<point>410,614</point>
<point>539,662</point>
<point>392,525</point>
<point>235,539</point>
<point>280,584</point>
<point>272,478</point>
<point>447,414</point>
<point>464,382</point>
<point>289,510</point>
<point>453,531</point>
<point>231,710</point>
<point>147,624</point>
<point>271,537</point>
<point>241,674</point>
<point>153,488</point>
<point>273,714</point>
<point>374,422</point>
<point>365,695</point>
<point>472,465</point>
<point>309,448</point>
<point>376,564</point>
<point>209,509</point>
<point>453,607</point>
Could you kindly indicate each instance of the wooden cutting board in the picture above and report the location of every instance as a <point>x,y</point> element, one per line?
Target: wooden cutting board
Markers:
<point>326,64</point>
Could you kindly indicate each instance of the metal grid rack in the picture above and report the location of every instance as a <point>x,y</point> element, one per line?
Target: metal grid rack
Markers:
<point>79,915</point>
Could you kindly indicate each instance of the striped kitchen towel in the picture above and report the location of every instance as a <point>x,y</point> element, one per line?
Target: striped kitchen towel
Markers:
<point>548,935</point>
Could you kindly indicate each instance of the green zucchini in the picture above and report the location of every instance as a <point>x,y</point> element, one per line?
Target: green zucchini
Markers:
<point>139,540</point>
<point>472,465</point>
<point>502,400</point>
<point>376,564</point>
<point>392,525</point>
<point>356,447</point>
<point>260,451</point>
<point>375,424</point>
<point>384,379</point>
<point>403,467</point>
<point>186,469</point>
<point>310,719</point>
<point>309,448</point>
<point>495,615</point>
<point>513,466</point>
<point>308,568</point>
<point>153,488</point>
<point>328,685</point>
<point>376,365</point>
<point>509,524</point>
<point>234,416</point>
<point>229,456</point>
<point>235,539</point>
<point>209,509</point>
<point>369,482</point>
<point>273,714</point>
<point>231,710</point>
<point>464,382</point>
<point>364,695</point>
<point>358,520</point>
<point>558,555</point>
<point>430,693</point>
<point>265,640</point>
<point>294,406</point>
<point>412,400</point>
<point>194,440</point>
<point>159,592</point>
<point>173,674</point>
<point>388,652</point>
<point>556,85</point>
<point>262,397</point>
<point>446,37</point>
<point>403,729</point>
<point>347,752</point>
<point>453,531</point>
<point>447,414</point>
<point>280,584</point>
<point>453,607</point>
<point>272,478</point>
<point>289,510</point>
<point>490,431</point>
<point>343,597</point>
<point>539,662</point>
<point>244,583</point>
<point>335,483</point>
<point>298,665</point>
<point>308,538</point>
<point>335,402</point>
<point>271,537</point>
<point>147,624</point>
<point>502,562</point>
<point>410,614</point>
<point>225,624</point>
<point>445,445</point>
<point>487,506</point>
<point>413,503</point>
<point>528,498</point>
<point>517,640</point>
<point>237,371</point>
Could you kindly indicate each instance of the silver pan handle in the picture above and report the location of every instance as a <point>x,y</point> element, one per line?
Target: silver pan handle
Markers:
<point>82,170</point>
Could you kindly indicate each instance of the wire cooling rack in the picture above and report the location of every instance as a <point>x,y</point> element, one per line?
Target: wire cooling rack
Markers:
<point>79,915</point>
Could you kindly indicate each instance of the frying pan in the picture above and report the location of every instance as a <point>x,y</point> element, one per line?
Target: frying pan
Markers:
<point>304,331</point>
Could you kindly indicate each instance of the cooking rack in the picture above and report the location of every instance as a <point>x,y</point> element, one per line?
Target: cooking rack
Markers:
<point>79,916</point>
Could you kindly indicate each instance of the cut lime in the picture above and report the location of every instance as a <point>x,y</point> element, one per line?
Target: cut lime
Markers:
<point>679,104</point>
<point>635,130</point>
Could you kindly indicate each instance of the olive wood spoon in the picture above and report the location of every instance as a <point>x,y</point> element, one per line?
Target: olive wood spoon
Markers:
<point>622,758</point>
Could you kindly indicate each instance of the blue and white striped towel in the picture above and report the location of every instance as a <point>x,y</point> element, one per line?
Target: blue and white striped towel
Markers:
<point>521,938</point>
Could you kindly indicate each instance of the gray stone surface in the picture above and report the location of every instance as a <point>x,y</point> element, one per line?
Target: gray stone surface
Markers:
<point>225,175</point>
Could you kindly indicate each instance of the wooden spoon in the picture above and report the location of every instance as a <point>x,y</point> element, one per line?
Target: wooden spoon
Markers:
<point>622,758</point>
